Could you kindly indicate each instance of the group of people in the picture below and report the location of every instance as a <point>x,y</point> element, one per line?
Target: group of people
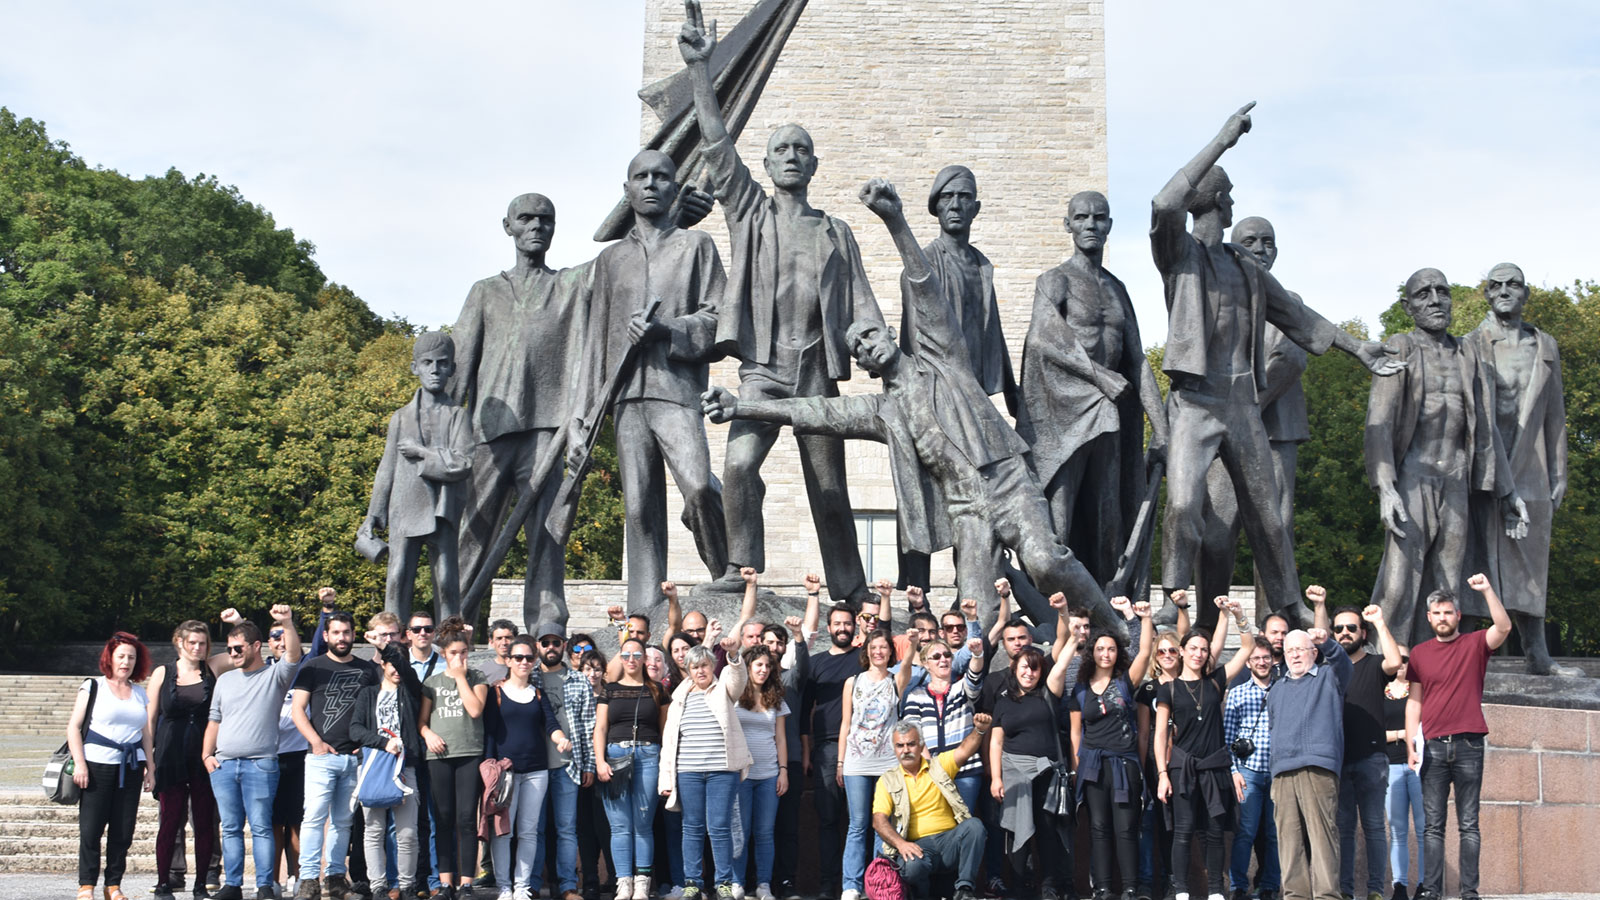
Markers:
<point>963,757</point>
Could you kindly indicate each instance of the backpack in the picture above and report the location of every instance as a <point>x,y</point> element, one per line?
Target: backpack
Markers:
<point>883,880</point>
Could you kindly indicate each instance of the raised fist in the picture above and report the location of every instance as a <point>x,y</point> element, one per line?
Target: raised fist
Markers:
<point>813,583</point>
<point>746,572</point>
<point>969,608</point>
<point>1373,613</point>
<point>1058,601</point>
<point>1002,586</point>
<point>1317,594</point>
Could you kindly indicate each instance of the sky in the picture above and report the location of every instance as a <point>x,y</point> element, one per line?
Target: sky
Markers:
<point>1388,136</point>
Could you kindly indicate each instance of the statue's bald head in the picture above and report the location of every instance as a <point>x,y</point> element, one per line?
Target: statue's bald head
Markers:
<point>791,158</point>
<point>1425,278</point>
<point>1088,201</point>
<point>648,159</point>
<point>1256,236</point>
<point>1506,289</point>
<point>537,204</point>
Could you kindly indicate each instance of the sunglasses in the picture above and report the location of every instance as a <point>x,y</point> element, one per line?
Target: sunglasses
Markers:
<point>551,642</point>
<point>631,655</point>
<point>1353,629</point>
<point>935,657</point>
<point>236,649</point>
<point>422,629</point>
<point>866,616</point>
<point>956,626</point>
<point>1167,651</point>
<point>697,632</point>
<point>582,648</point>
<point>522,657</point>
<point>276,633</point>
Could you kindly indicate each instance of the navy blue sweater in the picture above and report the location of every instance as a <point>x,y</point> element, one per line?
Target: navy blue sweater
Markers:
<point>517,731</point>
<point>1306,714</point>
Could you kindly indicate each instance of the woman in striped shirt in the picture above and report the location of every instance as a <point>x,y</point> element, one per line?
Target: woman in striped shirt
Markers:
<point>945,707</point>
<point>704,757</point>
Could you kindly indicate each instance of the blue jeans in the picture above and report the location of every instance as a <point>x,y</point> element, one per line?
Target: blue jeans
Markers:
<point>1405,809</point>
<point>1255,813</point>
<point>758,814</point>
<point>632,812</point>
<point>527,814</point>
<point>330,783</point>
<point>1454,761</point>
<point>560,801</point>
<point>707,801</point>
<point>1363,787</point>
<point>244,789</point>
<point>858,798</point>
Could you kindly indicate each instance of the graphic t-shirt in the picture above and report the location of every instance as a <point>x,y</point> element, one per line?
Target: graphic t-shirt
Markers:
<point>1196,711</point>
<point>333,687</point>
<point>461,733</point>
<point>1109,721</point>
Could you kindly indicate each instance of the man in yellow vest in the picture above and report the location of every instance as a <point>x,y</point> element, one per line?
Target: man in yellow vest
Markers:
<point>918,813</point>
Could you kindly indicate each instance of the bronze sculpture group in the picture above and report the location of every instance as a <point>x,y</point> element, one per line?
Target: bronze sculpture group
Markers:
<point>1465,440</point>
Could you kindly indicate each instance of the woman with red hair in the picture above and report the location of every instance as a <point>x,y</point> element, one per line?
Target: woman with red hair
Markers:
<point>109,734</point>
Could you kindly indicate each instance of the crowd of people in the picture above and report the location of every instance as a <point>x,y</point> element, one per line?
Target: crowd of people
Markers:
<point>954,760</point>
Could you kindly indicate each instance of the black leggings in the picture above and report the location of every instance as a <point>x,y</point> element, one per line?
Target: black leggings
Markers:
<point>1190,818</point>
<point>455,784</point>
<point>1114,824</point>
<point>109,811</point>
<point>1052,836</point>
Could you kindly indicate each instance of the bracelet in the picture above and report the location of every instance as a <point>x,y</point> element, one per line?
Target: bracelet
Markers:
<point>813,593</point>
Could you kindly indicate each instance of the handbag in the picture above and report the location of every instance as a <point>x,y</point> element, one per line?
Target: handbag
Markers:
<point>622,766</point>
<point>882,880</point>
<point>58,769</point>
<point>379,784</point>
<point>1059,798</point>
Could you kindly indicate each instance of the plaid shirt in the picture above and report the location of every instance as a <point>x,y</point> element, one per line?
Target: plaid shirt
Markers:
<point>1245,715</point>
<point>946,733</point>
<point>579,699</point>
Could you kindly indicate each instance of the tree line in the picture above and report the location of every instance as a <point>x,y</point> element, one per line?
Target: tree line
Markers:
<point>191,413</point>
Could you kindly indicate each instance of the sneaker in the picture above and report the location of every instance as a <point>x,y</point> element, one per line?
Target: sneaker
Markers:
<point>1216,897</point>
<point>764,892</point>
<point>522,893</point>
<point>690,892</point>
<point>996,888</point>
<point>964,893</point>
<point>1181,895</point>
<point>336,887</point>
<point>1267,894</point>
<point>736,890</point>
<point>1400,892</point>
<point>675,892</point>
<point>851,894</point>
<point>1127,894</point>
<point>162,891</point>
<point>641,888</point>
<point>1239,894</point>
<point>228,892</point>
<point>725,892</point>
<point>266,892</point>
<point>506,894</point>
<point>787,891</point>
<point>624,889</point>
<point>307,890</point>
<point>1375,895</point>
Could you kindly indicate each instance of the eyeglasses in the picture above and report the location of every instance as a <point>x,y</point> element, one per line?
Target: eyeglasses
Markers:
<point>697,632</point>
<point>422,629</point>
<point>630,654</point>
<point>1260,660</point>
<point>522,657</point>
<point>551,642</point>
<point>387,635</point>
<point>935,657</point>
<point>1353,629</point>
<point>236,649</point>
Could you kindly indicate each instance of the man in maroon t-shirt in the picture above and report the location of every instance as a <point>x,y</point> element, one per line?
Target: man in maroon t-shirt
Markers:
<point>1446,701</point>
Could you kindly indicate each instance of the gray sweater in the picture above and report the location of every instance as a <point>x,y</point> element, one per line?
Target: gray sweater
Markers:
<point>1307,714</point>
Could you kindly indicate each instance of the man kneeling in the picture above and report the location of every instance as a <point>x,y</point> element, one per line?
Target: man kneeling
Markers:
<point>921,817</point>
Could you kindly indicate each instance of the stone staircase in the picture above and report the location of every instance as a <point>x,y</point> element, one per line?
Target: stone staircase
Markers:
<point>37,836</point>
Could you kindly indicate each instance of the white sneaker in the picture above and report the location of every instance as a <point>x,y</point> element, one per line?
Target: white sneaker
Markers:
<point>764,892</point>
<point>641,888</point>
<point>522,893</point>
<point>504,895</point>
<point>675,892</point>
<point>854,894</point>
<point>738,891</point>
<point>291,887</point>
<point>624,889</point>
<point>1181,895</point>
<point>1216,897</point>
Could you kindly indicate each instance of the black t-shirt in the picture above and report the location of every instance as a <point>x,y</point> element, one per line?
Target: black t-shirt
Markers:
<point>1027,721</point>
<point>1363,709</point>
<point>824,697</point>
<point>333,686</point>
<point>1110,723</point>
<point>1196,711</point>
<point>1145,695</point>
<point>625,704</point>
<point>1394,719</point>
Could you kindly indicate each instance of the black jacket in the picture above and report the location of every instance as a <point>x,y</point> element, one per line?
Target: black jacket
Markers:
<point>364,720</point>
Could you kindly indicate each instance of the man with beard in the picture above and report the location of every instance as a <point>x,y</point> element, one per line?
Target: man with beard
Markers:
<point>821,709</point>
<point>1364,780</point>
<point>324,698</point>
<point>1429,442</point>
<point>1085,385</point>
<point>1446,702</point>
<point>920,816</point>
<point>573,701</point>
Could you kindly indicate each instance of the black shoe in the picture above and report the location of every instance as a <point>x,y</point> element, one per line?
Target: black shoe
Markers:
<point>965,893</point>
<point>200,893</point>
<point>1267,894</point>
<point>1046,892</point>
<point>228,892</point>
<point>1127,894</point>
<point>267,892</point>
<point>1239,894</point>
<point>1142,892</point>
<point>1400,892</point>
<point>162,891</point>
<point>785,890</point>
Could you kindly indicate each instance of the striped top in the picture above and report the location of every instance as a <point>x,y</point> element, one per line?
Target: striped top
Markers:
<point>701,744</point>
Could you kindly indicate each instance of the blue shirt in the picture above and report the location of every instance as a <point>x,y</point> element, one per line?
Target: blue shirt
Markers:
<point>1245,715</point>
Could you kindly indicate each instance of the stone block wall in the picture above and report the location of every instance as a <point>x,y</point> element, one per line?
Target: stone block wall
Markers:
<point>1014,89</point>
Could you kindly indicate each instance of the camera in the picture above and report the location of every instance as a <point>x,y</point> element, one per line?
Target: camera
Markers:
<point>1243,747</point>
